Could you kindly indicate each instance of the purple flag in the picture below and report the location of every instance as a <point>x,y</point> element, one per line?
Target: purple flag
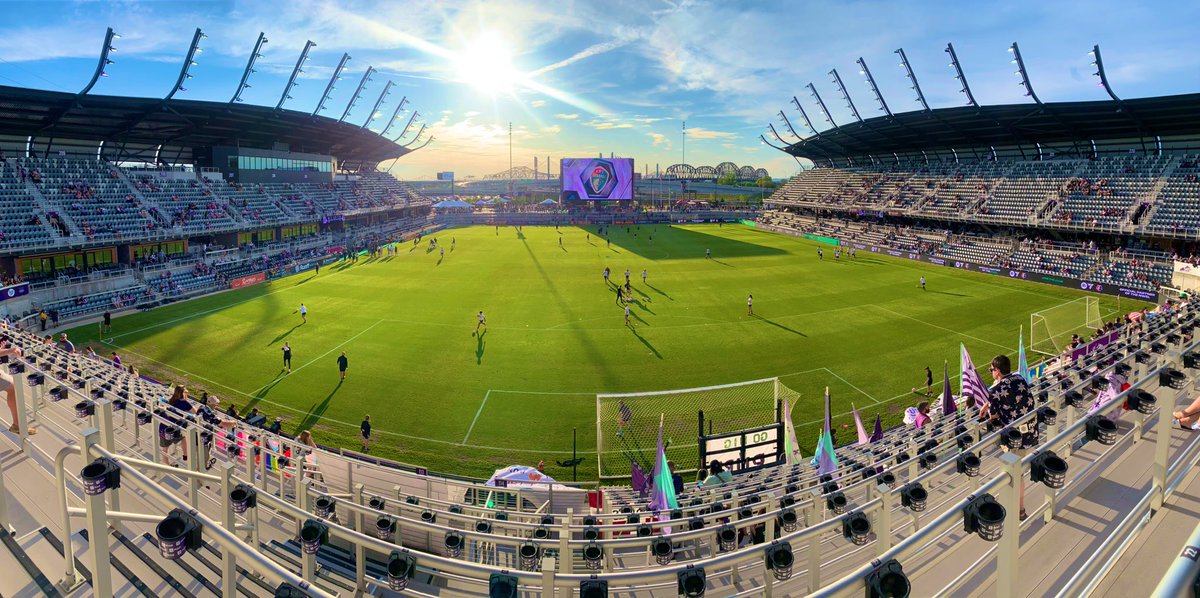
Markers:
<point>972,385</point>
<point>862,433</point>
<point>662,489</point>
<point>877,435</point>
<point>637,478</point>
<point>948,404</point>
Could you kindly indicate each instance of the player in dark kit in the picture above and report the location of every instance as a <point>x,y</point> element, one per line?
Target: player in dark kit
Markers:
<point>343,363</point>
<point>287,357</point>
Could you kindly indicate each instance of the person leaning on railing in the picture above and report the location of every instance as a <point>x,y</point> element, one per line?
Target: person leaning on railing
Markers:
<point>1011,399</point>
<point>9,388</point>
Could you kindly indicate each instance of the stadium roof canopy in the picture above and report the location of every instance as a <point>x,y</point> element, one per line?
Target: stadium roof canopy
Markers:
<point>1014,130</point>
<point>135,128</point>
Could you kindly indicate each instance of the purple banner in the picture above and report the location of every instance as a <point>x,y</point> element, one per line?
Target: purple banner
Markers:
<point>17,290</point>
<point>1103,341</point>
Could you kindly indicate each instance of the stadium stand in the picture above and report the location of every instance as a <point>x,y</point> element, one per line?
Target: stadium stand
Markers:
<point>330,522</point>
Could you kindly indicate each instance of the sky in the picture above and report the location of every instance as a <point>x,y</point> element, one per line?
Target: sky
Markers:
<point>604,76</point>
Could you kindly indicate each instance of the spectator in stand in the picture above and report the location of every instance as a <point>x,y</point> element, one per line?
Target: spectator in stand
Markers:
<point>1011,399</point>
<point>922,415</point>
<point>166,439</point>
<point>717,475</point>
<point>9,388</point>
<point>65,344</point>
<point>676,479</point>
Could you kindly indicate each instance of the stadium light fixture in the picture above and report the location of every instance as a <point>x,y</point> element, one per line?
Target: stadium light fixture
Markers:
<point>254,55</point>
<point>392,121</point>
<point>912,77</point>
<point>287,89</point>
<point>788,124</point>
<point>419,132</point>
<point>337,76</point>
<point>357,92</point>
<point>415,114</point>
<point>837,80</point>
<point>188,63</point>
<point>821,104</point>
<point>105,50</point>
<point>958,74</point>
<point>1098,62</point>
<point>378,103</point>
<point>1016,52</point>
<point>866,72</point>
<point>804,115</point>
<point>771,128</point>
<point>764,140</point>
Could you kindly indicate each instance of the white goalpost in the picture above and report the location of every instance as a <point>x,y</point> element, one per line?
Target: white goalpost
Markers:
<point>627,423</point>
<point>1050,330</point>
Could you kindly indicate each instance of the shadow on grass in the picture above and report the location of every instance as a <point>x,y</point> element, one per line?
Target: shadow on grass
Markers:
<point>645,342</point>
<point>659,291</point>
<point>951,294</point>
<point>479,347</point>
<point>317,411</point>
<point>264,391</point>
<point>284,335</point>
<point>778,325</point>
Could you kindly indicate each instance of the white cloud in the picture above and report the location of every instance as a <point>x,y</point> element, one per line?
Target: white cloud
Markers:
<point>552,129</point>
<point>588,52</point>
<point>702,133</point>
<point>660,140</point>
<point>566,116</point>
<point>604,125</point>
<point>537,103</point>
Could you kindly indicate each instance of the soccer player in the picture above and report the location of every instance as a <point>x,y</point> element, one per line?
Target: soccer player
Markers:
<point>303,313</point>
<point>482,322</point>
<point>820,254</point>
<point>928,381</point>
<point>627,323</point>
<point>343,363</point>
<point>443,250</point>
<point>853,252</point>
<point>750,304</point>
<point>643,276</point>
<point>707,253</point>
<point>287,357</point>
<point>922,283</point>
<point>624,417</point>
<point>606,271</point>
<point>626,276</point>
<point>107,321</point>
<point>365,429</point>
<point>619,295</point>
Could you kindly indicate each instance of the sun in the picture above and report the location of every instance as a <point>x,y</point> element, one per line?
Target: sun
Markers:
<point>486,64</point>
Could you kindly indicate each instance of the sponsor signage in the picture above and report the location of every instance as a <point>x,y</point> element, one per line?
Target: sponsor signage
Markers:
<point>1061,281</point>
<point>14,291</point>
<point>246,281</point>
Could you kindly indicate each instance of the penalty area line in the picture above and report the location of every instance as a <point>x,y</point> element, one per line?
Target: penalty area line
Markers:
<point>476,418</point>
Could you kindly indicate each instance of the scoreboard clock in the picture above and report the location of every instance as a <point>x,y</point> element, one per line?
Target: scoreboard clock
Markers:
<point>744,450</point>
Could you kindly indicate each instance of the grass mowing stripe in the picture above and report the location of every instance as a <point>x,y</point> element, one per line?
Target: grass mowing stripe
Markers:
<point>951,330</point>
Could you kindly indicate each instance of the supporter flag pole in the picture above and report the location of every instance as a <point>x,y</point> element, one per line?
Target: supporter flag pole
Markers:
<point>1022,364</point>
<point>790,443</point>
<point>826,459</point>
<point>948,404</point>
<point>663,497</point>
<point>862,432</point>
<point>972,384</point>
<point>877,435</point>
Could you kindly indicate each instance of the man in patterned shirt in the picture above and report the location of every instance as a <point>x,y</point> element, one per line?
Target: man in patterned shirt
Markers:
<point>1010,399</point>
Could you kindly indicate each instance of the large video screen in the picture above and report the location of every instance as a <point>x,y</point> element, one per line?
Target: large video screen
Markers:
<point>593,179</point>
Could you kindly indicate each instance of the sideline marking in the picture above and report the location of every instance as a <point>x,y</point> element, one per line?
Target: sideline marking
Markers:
<point>477,412</point>
<point>864,393</point>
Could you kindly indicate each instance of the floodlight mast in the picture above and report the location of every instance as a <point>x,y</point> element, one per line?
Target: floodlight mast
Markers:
<point>804,115</point>
<point>188,62</point>
<point>357,92</point>
<point>958,74</point>
<point>329,87</point>
<point>764,140</point>
<point>1099,64</point>
<point>821,104</point>
<point>104,61</point>
<point>415,114</point>
<point>287,89</point>
<point>771,127</point>
<point>422,130</point>
<point>1016,52</point>
<point>392,121</point>
<point>788,124</point>
<point>378,103</point>
<point>837,79</point>
<point>866,72</point>
<point>912,77</point>
<point>254,55</point>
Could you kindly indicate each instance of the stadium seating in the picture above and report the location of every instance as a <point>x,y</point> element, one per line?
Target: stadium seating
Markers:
<point>22,223</point>
<point>461,533</point>
<point>96,199</point>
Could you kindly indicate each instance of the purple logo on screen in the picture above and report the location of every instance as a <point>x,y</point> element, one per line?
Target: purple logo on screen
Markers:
<point>598,178</point>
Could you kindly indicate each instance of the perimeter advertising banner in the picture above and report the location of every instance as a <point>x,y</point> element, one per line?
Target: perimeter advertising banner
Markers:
<point>14,291</point>
<point>1062,281</point>
<point>597,179</point>
<point>246,281</point>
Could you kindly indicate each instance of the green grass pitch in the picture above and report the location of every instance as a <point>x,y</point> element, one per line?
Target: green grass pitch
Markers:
<point>443,398</point>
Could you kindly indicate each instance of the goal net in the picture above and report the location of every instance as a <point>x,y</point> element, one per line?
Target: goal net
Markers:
<point>627,424</point>
<point>1050,330</point>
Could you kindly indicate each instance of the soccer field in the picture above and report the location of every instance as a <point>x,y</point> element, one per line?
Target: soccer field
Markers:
<point>443,398</point>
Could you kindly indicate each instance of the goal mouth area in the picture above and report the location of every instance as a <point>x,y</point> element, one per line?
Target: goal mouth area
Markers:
<point>627,424</point>
<point>1051,329</point>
